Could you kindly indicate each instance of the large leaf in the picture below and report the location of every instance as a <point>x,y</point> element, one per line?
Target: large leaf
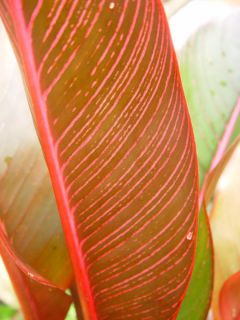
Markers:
<point>112,120</point>
<point>211,80</point>
<point>28,213</point>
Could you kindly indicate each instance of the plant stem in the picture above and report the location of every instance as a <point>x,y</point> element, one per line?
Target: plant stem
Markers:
<point>76,301</point>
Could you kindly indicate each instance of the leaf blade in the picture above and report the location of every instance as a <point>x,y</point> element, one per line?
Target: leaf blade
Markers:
<point>207,57</point>
<point>123,131</point>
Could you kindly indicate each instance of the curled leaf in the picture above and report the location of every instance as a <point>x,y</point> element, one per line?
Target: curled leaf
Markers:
<point>230,298</point>
<point>37,301</point>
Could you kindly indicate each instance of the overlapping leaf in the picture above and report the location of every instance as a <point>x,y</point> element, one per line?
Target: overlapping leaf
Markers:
<point>28,212</point>
<point>113,123</point>
<point>201,281</point>
<point>225,228</point>
<point>32,242</point>
<point>37,301</point>
<point>230,298</point>
<point>211,81</point>
<point>211,84</point>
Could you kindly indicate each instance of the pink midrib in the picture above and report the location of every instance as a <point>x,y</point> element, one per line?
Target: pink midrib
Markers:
<point>39,106</point>
<point>222,146</point>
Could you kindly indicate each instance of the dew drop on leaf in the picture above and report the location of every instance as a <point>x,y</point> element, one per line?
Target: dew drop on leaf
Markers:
<point>189,235</point>
<point>111,5</point>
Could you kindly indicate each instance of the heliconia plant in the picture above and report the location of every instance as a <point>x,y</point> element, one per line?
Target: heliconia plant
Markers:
<point>126,235</point>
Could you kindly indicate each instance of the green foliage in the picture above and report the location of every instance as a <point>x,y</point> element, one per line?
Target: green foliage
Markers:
<point>71,313</point>
<point>6,312</point>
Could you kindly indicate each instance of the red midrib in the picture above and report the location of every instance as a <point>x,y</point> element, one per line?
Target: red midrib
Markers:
<point>40,110</point>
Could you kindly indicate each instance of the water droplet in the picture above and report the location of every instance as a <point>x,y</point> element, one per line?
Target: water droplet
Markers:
<point>30,275</point>
<point>111,5</point>
<point>190,235</point>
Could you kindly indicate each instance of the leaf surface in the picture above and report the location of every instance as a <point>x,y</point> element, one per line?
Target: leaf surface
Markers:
<point>112,120</point>
<point>29,216</point>
<point>33,243</point>
<point>211,84</point>
<point>211,80</point>
<point>6,312</point>
<point>37,301</point>
<point>201,275</point>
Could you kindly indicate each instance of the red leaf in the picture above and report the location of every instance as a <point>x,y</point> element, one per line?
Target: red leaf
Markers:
<point>113,124</point>
<point>38,300</point>
<point>29,219</point>
<point>229,300</point>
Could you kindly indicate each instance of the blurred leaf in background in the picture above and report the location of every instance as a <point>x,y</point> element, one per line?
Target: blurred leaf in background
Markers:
<point>206,37</point>
<point>6,312</point>
<point>225,225</point>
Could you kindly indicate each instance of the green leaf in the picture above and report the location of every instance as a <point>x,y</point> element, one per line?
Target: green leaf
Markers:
<point>210,76</point>
<point>211,81</point>
<point>6,312</point>
<point>201,281</point>
<point>71,313</point>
